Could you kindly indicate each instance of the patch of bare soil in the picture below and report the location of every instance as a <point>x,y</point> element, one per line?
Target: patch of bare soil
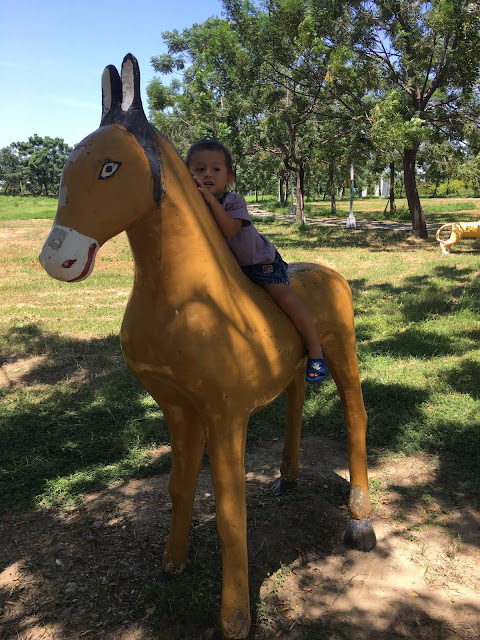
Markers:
<point>90,573</point>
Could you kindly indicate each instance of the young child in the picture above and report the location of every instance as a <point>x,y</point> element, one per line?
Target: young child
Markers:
<point>211,166</point>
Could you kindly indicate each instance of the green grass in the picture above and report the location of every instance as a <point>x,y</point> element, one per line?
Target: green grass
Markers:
<point>436,210</point>
<point>73,419</point>
<point>371,208</point>
<point>27,207</point>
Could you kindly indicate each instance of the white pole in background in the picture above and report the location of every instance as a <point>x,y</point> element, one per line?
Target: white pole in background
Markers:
<point>351,222</point>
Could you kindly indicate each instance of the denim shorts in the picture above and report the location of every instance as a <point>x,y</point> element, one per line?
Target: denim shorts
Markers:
<point>274,273</point>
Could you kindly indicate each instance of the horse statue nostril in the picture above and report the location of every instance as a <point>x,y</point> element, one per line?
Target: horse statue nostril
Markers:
<point>68,264</point>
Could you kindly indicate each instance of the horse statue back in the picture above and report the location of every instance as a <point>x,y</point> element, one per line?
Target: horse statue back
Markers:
<point>208,345</point>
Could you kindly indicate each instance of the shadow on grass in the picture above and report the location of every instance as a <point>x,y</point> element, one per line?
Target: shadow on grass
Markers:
<point>400,422</point>
<point>76,578</point>
<point>74,421</point>
<point>83,411</point>
<point>422,297</point>
<point>317,237</point>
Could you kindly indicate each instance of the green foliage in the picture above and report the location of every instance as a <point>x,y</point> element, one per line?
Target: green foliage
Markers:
<point>13,173</point>
<point>33,167</point>
<point>208,102</point>
<point>428,55</point>
<point>314,85</point>
<point>470,172</point>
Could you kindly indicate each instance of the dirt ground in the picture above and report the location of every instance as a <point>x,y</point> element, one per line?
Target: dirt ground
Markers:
<point>90,573</point>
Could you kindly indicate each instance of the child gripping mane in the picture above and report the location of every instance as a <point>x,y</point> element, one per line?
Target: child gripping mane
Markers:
<point>210,164</point>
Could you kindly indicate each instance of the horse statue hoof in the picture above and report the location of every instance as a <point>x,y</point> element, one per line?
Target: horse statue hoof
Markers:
<point>360,535</point>
<point>282,487</point>
<point>163,577</point>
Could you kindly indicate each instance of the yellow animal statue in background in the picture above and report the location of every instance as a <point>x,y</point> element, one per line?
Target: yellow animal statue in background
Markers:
<point>211,347</point>
<point>458,230</point>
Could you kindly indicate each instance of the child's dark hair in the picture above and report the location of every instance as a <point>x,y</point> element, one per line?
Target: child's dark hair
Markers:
<point>210,145</point>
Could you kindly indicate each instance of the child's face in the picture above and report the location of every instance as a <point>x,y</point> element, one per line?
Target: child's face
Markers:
<point>210,169</point>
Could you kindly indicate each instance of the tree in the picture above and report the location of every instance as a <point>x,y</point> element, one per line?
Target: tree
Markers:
<point>439,162</point>
<point>43,159</point>
<point>289,62</point>
<point>212,99</point>
<point>470,171</point>
<point>12,172</point>
<point>428,53</point>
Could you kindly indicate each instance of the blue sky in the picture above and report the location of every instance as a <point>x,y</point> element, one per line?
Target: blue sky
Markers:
<point>52,55</point>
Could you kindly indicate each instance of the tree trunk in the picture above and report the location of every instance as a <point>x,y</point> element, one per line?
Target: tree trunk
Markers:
<point>393,206</point>
<point>331,180</point>
<point>411,193</point>
<point>299,174</point>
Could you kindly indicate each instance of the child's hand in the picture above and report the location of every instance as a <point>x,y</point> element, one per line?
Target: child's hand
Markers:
<point>205,193</point>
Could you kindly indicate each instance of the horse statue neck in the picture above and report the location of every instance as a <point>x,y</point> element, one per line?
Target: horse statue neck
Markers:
<point>178,247</point>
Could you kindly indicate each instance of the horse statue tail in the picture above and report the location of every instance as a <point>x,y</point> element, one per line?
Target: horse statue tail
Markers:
<point>439,231</point>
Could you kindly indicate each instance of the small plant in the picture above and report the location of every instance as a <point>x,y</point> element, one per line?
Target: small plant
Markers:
<point>279,578</point>
<point>453,547</point>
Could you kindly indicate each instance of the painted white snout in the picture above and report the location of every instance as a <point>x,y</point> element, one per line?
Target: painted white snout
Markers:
<point>68,255</point>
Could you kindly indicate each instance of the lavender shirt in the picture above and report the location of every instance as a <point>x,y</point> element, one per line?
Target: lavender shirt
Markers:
<point>248,245</point>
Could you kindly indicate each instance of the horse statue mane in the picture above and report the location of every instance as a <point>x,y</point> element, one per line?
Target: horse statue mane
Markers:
<point>122,104</point>
<point>210,346</point>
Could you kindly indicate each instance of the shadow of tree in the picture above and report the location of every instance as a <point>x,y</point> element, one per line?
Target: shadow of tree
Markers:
<point>80,417</point>
<point>421,297</point>
<point>318,237</point>
<point>92,571</point>
<point>397,422</point>
<point>464,378</point>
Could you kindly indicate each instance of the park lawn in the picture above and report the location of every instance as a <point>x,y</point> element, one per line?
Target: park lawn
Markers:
<point>437,210</point>
<point>73,419</point>
<point>371,209</point>
<point>27,207</point>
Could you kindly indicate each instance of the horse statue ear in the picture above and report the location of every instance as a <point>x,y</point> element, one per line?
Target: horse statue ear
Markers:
<point>121,100</point>
<point>131,84</point>
<point>111,91</point>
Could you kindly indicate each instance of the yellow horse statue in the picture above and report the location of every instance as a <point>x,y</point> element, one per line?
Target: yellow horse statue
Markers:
<point>210,347</point>
<point>458,230</point>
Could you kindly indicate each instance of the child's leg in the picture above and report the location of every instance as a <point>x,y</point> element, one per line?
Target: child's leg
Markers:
<point>289,302</point>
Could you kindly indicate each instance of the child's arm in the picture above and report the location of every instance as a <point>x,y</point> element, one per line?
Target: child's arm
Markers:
<point>228,226</point>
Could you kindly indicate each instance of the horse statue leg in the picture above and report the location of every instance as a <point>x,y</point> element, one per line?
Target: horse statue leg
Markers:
<point>226,439</point>
<point>295,396</point>
<point>187,438</point>
<point>343,367</point>
<point>188,446</point>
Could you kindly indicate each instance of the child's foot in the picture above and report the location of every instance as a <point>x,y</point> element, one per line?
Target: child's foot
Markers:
<point>316,366</point>
<point>316,370</point>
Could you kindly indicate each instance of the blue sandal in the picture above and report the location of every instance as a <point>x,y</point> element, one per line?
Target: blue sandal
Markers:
<point>318,366</point>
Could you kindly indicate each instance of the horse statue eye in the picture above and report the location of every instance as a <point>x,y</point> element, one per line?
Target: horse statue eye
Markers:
<point>108,169</point>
